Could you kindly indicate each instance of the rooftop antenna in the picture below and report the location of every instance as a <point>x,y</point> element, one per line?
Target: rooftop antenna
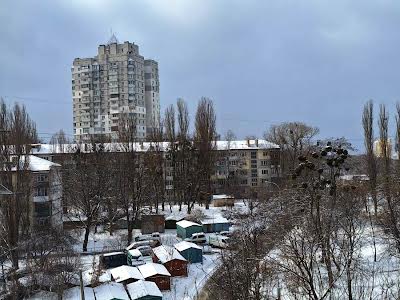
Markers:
<point>113,39</point>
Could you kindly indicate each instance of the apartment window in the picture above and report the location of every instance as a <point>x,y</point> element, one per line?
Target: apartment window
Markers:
<point>264,162</point>
<point>253,154</point>
<point>42,209</point>
<point>41,191</point>
<point>264,172</point>
<point>42,177</point>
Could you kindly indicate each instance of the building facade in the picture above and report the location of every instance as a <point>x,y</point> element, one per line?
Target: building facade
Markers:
<point>116,83</point>
<point>253,164</point>
<point>43,187</point>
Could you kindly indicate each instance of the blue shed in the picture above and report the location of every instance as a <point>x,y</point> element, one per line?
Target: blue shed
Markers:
<point>185,229</point>
<point>190,251</point>
<point>216,224</point>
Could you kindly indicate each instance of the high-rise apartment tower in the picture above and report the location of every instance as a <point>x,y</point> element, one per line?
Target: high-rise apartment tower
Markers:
<point>118,82</point>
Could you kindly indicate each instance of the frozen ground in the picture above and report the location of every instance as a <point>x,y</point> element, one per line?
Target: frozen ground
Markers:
<point>104,242</point>
<point>187,288</point>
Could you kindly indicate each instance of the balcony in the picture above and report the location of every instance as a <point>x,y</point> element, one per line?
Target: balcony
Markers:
<point>40,199</point>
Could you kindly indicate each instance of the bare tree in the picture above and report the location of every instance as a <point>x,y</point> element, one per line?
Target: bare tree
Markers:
<point>205,143</point>
<point>86,183</point>
<point>154,169</point>
<point>368,125</point>
<point>18,132</point>
<point>129,173</point>
<point>294,139</point>
<point>171,153</point>
<point>392,210</point>
<point>186,181</point>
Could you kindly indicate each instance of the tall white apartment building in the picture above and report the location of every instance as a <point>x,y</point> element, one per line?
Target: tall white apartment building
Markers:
<point>117,81</point>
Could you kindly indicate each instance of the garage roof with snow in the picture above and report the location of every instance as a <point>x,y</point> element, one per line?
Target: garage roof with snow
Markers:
<point>151,269</point>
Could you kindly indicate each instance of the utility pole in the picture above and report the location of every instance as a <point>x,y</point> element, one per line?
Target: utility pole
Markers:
<point>81,285</point>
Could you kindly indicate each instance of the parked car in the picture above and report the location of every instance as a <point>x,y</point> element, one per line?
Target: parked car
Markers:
<point>145,250</point>
<point>197,238</point>
<point>136,258</point>
<point>151,243</point>
<point>147,237</point>
<point>218,241</point>
<point>225,233</point>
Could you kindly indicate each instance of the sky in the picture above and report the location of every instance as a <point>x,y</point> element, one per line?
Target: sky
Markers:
<point>261,62</point>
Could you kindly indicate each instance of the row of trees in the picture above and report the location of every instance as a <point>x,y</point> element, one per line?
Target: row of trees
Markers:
<point>322,236</point>
<point>100,187</point>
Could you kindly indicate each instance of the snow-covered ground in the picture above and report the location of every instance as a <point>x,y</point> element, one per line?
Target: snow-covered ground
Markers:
<point>187,288</point>
<point>184,288</point>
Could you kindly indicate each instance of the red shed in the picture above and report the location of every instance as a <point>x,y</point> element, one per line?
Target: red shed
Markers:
<point>175,263</point>
<point>156,273</point>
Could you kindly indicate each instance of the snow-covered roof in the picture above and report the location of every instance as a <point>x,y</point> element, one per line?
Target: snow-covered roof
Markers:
<point>182,246</point>
<point>186,223</point>
<point>214,220</point>
<point>75,293</point>
<point>246,144</point>
<point>36,164</point>
<point>111,290</point>
<point>135,252</point>
<point>142,288</point>
<point>176,216</point>
<point>113,253</point>
<point>123,273</point>
<point>167,253</point>
<point>151,269</point>
<point>145,146</point>
<point>361,177</point>
<point>222,196</point>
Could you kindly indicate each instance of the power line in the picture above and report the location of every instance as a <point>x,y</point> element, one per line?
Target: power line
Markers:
<point>34,99</point>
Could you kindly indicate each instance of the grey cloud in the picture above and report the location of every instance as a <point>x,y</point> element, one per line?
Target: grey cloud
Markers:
<point>261,61</point>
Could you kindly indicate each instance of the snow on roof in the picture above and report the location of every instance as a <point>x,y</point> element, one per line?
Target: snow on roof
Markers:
<point>176,216</point>
<point>135,252</point>
<point>182,246</point>
<point>167,253</point>
<point>145,146</point>
<point>75,293</point>
<point>44,295</point>
<point>112,253</point>
<point>214,220</point>
<point>246,144</point>
<point>36,164</point>
<point>186,223</point>
<point>142,288</point>
<point>123,273</point>
<point>151,269</point>
<point>111,290</point>
<point>360,177</point>
<point>222,196</point>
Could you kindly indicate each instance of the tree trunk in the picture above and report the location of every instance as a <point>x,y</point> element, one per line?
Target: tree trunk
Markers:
<point>87,231</point>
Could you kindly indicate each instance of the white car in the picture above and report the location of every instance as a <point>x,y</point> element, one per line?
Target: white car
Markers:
<point>218,241</point>
<point>147,237</point>
<point>197,238</point>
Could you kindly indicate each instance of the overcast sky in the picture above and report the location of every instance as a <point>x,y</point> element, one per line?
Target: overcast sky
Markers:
<point>262,62</point>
